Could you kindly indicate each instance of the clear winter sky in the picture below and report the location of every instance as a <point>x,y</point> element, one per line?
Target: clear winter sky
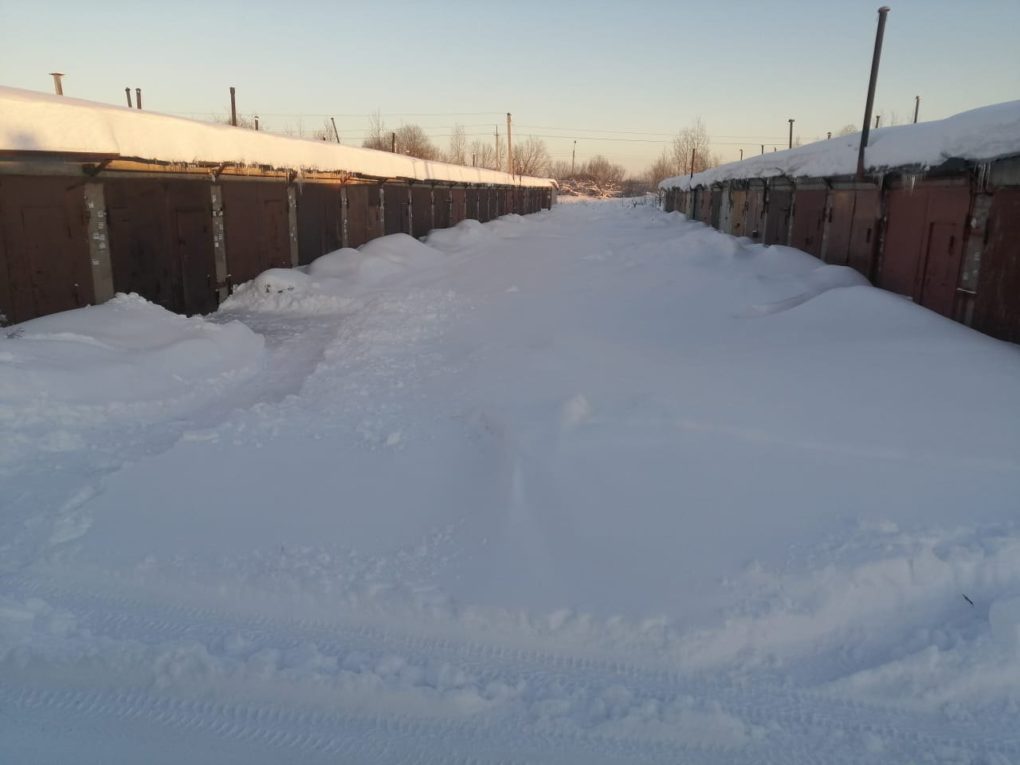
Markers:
<point>631,71</point>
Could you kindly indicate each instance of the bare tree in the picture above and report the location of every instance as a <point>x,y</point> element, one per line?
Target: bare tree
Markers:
<point>600,177</point>
<point>694,141</point>
<point>531,157</point>
<point>848,129</point>
<point>378,137</point>
<point>412,140</point>
<point>457,153</point>
<point>560,170</point>
<point>664,167</point>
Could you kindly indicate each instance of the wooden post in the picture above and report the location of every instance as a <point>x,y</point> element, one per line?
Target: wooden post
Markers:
<point>509,147</point>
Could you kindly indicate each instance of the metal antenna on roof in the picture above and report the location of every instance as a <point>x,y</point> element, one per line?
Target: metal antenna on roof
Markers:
<point>876,56</point>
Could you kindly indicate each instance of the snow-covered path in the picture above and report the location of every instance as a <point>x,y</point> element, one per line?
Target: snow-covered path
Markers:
<point>596,485</point>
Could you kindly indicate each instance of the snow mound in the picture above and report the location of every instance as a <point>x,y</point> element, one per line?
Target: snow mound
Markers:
<point>466,234</point>
<point>127,350</point>
<point>339,264</point>
<point>287,291</point>
<point>815,283</point>
<point>395,254</point>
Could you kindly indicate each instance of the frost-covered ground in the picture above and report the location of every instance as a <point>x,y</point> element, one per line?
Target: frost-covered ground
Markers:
<point>599,485</point>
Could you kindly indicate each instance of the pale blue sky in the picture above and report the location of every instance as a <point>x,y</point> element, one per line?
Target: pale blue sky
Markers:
<point>565,69</point>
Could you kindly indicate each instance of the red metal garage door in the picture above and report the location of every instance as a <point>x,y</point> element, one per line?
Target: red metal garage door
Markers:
<point>44,249</point>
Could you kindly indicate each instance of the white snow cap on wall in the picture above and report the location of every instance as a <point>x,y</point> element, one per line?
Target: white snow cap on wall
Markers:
<point>32,121</point>
<point>980,134</point>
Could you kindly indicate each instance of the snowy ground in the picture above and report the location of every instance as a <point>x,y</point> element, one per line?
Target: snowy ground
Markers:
<point>598,485</point>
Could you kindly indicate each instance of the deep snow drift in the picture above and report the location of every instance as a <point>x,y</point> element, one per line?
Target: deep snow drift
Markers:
<point>596,485</point>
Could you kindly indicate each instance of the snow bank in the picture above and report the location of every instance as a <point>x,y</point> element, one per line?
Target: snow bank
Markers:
<point>32,121</point>
<point>327,285</point>
<point>980,134</point>
<point>125,351</point>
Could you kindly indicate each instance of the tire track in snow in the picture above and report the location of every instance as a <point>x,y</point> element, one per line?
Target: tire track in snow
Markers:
<point>777,716</point>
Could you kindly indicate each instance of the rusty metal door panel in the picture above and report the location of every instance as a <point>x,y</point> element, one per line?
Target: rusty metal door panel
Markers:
<point>257,223</point>
<point>997,304</point>
<point>904,240</point>
<point>194,250</point>
<point>840,221</point>
<point>808,220</point>
<point>705,207</point>
<point>715,204</point>
<point>360,214</point>
<point>864,231</point>
<point>471,197</point>
<point>421,199</point>
<point>755,207</point>
<point>142,252</point>
<point>457,206</point>
<point>738,207</point>
<point>445,214</point>
<point>777,218</point>
<point>320,225</point>
<point>6,297</point>
<point>161,242</point>
<point>397,211</point>
<point>946,218</point>
<point>43,226</point>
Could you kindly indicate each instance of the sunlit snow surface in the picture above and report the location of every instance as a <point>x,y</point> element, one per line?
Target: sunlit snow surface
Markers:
<point>597,485</point>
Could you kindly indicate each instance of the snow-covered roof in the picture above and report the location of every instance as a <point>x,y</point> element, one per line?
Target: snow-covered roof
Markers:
<point>32,121</point>
<point>980,134</point>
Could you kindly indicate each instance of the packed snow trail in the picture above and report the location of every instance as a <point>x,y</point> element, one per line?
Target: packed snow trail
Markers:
<point>599,485</point>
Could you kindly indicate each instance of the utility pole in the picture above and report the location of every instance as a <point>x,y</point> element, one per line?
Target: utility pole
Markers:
<point>127,92</point>
<point>790,145</point>
<point>233,107</point>
<point>693,152</point>
<point>499,154</point>
<point>917,107</point>
<point>58,86</point>
<point>335,131</point>
<point>875,58</point>
<point>573,156</point>
<point>509,146</point>
<point>138,97</point>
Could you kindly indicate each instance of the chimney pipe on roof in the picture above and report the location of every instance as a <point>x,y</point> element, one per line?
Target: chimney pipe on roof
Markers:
<point>138,97</point>
<point>58,86</point>
<point>876,56</point>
